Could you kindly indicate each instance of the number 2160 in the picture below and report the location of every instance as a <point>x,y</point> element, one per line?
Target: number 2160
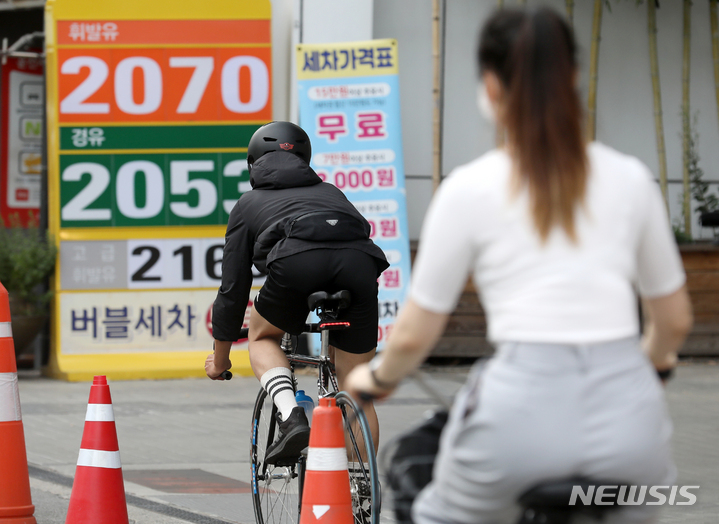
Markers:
<point>174,263</point>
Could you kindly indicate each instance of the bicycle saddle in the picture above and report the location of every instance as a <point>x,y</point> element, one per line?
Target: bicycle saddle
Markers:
<point>550,498</point>
<point>320,299</point>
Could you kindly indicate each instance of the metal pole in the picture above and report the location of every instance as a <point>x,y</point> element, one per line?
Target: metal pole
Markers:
<point>438,8</point>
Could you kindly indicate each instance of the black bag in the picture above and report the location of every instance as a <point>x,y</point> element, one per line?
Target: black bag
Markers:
<point>327,226</point>
<point>314,226</point>
<point>412,460</point>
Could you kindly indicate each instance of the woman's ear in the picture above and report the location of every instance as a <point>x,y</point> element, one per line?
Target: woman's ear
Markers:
<point>484,104</point>
<point>489,94</point>
<point>494,88</point>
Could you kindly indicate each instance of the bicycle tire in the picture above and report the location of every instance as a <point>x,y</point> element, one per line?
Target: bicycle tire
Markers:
<point>276,490</point>
<point>363,475</point>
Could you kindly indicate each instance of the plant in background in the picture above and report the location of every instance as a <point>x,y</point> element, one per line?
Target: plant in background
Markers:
<point>706,202</point>
<point>679,235</point>
<point>27,257</point>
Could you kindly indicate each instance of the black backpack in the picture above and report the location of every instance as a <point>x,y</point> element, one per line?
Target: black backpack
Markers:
<point>411,461</point>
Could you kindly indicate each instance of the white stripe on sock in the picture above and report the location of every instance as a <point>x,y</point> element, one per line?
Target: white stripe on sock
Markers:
<point>279,386</point>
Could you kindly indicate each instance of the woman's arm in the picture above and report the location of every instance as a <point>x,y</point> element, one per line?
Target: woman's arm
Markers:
<point>447,251</point>
<point>669,320</point>
<point>413,336</point>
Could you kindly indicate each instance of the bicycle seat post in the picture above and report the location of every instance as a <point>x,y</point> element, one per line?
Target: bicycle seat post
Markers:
<point>286,344</point>
<point>325,344</point>
<point>328,306</point>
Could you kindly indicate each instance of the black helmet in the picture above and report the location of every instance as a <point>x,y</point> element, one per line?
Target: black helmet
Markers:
<point>279,136</point>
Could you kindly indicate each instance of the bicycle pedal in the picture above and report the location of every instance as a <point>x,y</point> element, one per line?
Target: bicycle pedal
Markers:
<point>282,463</point>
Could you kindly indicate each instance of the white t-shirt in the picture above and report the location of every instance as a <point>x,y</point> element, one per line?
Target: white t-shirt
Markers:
<point>560,291</point>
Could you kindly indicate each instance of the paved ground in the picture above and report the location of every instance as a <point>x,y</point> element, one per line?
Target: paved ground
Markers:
<point>184,443</point>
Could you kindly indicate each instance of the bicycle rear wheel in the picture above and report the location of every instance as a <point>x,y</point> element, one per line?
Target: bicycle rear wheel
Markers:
<point>276,489</point>
<point>364,475</point>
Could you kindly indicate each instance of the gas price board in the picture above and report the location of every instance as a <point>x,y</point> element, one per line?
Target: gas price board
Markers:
<point>150,109</point>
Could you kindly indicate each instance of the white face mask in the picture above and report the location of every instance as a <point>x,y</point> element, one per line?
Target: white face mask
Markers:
<point>485,104</point>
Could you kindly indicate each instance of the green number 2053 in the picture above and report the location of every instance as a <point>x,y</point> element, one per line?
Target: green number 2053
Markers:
<point>150,190</point>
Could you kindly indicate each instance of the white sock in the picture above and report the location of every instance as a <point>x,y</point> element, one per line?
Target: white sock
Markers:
<point>278,384</point>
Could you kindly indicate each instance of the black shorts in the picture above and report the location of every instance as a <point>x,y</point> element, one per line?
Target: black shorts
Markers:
<point>282,301</point>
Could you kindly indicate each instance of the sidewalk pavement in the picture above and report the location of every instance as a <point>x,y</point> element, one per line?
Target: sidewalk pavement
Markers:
<point>185,443</point>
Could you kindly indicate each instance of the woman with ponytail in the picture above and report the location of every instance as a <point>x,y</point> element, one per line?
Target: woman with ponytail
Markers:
<point>559,236</point>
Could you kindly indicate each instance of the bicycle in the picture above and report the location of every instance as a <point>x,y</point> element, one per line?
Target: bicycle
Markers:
<point>277,488</point>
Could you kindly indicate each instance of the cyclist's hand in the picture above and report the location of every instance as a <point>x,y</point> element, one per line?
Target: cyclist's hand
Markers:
<point>360,384</point>
<point>214,371</point>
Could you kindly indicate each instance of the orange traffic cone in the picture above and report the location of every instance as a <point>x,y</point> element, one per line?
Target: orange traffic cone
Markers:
<point>15,501</point>
<point>98,492</point>
<point>326,494</point>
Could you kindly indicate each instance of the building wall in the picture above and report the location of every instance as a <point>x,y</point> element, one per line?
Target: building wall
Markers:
<point>624,105</point>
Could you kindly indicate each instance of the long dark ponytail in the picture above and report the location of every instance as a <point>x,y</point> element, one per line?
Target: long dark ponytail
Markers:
<point>533,55</point>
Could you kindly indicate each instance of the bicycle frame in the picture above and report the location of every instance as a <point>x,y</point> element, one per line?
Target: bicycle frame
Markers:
<point>328,322</point>
<point>327,385</point>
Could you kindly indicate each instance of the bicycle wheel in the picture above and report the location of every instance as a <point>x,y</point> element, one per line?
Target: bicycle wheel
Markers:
<point>276,489</point>
<point>364,475</point>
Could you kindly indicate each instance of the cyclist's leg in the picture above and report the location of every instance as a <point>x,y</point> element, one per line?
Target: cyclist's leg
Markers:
<point>271,367</point>
<point>264,345</point>
<point>344,363</point>
<point>279,307</point>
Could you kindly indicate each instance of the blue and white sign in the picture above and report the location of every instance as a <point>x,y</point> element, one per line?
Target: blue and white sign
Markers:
<point>349,106</point>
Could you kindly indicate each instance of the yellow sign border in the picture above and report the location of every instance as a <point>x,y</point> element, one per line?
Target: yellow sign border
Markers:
<point>157,10</point>
<point>133,366</point>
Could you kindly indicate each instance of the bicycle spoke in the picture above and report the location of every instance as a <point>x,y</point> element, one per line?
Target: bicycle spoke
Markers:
<point>364,483</point>
<point>276,499</point>
<point>277,490</point>
<point>284,497</point>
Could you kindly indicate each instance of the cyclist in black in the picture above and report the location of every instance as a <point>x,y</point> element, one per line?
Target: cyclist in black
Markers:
<point>307,237</point>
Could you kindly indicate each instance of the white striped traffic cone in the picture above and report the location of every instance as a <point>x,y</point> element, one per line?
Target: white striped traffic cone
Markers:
<point>15,501</point>
<point>98,492</point>
<point>326,494</point>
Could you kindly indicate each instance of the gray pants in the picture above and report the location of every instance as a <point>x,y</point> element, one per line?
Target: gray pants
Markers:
<point>538,412</point>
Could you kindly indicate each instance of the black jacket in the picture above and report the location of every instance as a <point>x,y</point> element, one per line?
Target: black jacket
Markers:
<point>288,211</point>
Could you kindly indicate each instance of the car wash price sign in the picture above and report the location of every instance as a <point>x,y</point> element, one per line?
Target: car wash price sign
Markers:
<point>349,106</point>
<point>150,109</point>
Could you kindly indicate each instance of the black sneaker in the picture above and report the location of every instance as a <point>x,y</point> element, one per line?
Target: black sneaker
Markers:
<point>293,437</point>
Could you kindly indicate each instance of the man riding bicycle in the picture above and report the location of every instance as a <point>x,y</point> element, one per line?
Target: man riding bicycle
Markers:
<point>307,237</point>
